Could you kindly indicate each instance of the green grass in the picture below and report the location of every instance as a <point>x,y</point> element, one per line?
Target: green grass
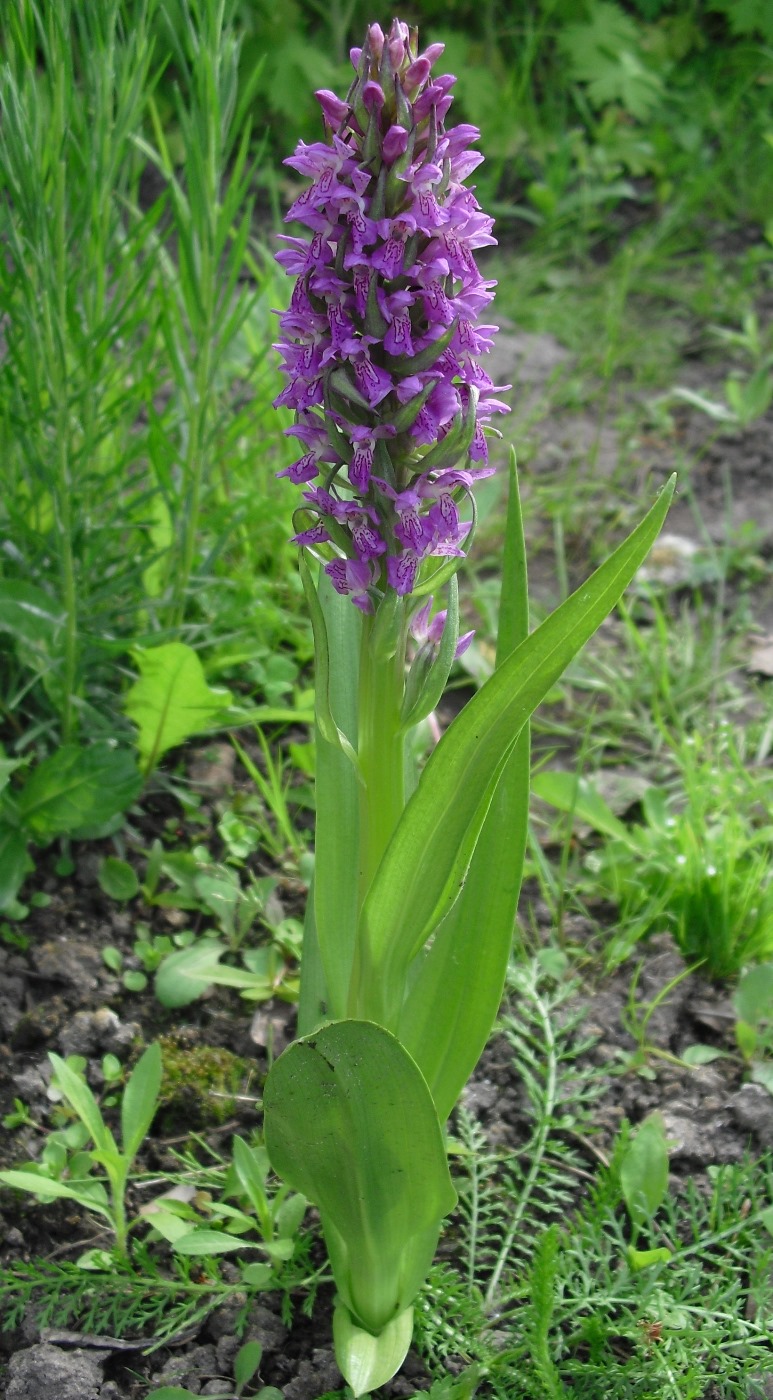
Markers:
<point>139,442</point>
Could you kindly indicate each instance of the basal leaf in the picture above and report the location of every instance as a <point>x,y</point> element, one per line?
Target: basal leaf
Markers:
<point>140,1100</point>
<point>51,1190</point>
<point>15,863</point>
<point>29,614</point>
<point>80,1098</point>
<point>330,931</point>
<point>644,1171</point>
<point>205,1242</point>
<point>76,787</point>
<point>574,794</point>
<point>185,975</point>
<point>351,1125</point>
<point>171,700</point>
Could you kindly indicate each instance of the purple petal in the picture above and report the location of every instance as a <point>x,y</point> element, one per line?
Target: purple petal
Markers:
<point>401,573</point>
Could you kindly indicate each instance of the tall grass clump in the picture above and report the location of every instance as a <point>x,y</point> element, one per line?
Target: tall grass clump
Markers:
<point>139,499</point>
<point>77,370</point>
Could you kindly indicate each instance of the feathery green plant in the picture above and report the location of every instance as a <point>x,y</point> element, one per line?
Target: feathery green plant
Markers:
<point>78,369</point>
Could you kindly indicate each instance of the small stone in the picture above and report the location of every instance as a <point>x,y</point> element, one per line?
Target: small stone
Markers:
<point>30,1083</point>
<point>10,1016</point>
<point>212,769</point>
<point>200,1366</point>
<point>225,1352</point>
<point>670,562</point>
<point>697,1140</point>
<point>72,961</point>
<point>79,1036</point>
<point>46,1372</point>
<point>752,1108</point>
<point>265,1327</point>
<point>97,1032</point>
<point>87,869</point>
<point>222,1322</point>
<point>41,1023</point>
<point>480,1094</point>
<point>314,1377</point>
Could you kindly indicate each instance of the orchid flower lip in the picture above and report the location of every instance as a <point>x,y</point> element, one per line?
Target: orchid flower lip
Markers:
<point>382,343</point>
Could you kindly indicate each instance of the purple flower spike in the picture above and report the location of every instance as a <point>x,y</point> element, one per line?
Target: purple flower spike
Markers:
<point>382,342</point>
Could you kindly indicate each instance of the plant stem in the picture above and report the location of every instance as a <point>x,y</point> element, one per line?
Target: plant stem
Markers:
<point>381,750</point>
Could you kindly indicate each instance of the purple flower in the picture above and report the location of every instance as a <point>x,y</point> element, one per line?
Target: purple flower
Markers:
<point>428,632</point>
<point>382,341</point>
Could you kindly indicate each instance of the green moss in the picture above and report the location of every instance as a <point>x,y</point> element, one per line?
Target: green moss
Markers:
<point>199,1083</point>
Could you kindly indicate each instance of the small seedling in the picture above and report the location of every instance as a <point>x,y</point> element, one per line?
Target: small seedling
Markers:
<point>197,1226</point>
<point>753,1003</point>
<point>66,1172</point>
<point>246,1365</point>
<point>644,1182</point>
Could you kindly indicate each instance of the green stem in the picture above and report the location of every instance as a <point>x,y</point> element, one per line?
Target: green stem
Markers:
<point>64,482</point>
<point>382,766</point>
<point>381,751</point>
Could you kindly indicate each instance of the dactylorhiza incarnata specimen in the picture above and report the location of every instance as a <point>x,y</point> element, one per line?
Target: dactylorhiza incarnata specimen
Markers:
<point>410,919</point>
<point>382,340</point>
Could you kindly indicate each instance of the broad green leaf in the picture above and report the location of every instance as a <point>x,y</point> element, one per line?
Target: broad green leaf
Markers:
<point>29,614</point>
<point>248,1359</point>
<point>288,1219</point>
<point>15,863</point>
<point>762,1073</point>
<point>571,793</point>
<point>171,700</point>
<point>644,1171</point>
<point>753,997</point>
<point>695,1055</point>
<point>80,1098</point>
<point>7,767</point>
<point>644,1258</point>
<point>171,1392</point>
<point>329,936</point>
<point>257,1275</point>
<point>206,1242</point>
<point>76,787</point>
<point>184,975</point>
<point>253,1182</point>
<point>365,1361</point>
<point>140,1100</point>
<point>427,860</point>
<point>118,878</point>
<point>51,1190</point>
<point>455,996</point>
<point>350,1124</point>
<point>169,1226</point>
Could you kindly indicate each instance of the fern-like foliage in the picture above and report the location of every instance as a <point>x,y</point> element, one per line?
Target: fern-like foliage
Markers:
<point>540,1292</point>
<point>125,1303</point>
<point>506,1199</point>
<point>140,1299</point>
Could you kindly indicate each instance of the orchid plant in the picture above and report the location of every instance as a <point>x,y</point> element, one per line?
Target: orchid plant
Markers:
<point>411,915</point>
